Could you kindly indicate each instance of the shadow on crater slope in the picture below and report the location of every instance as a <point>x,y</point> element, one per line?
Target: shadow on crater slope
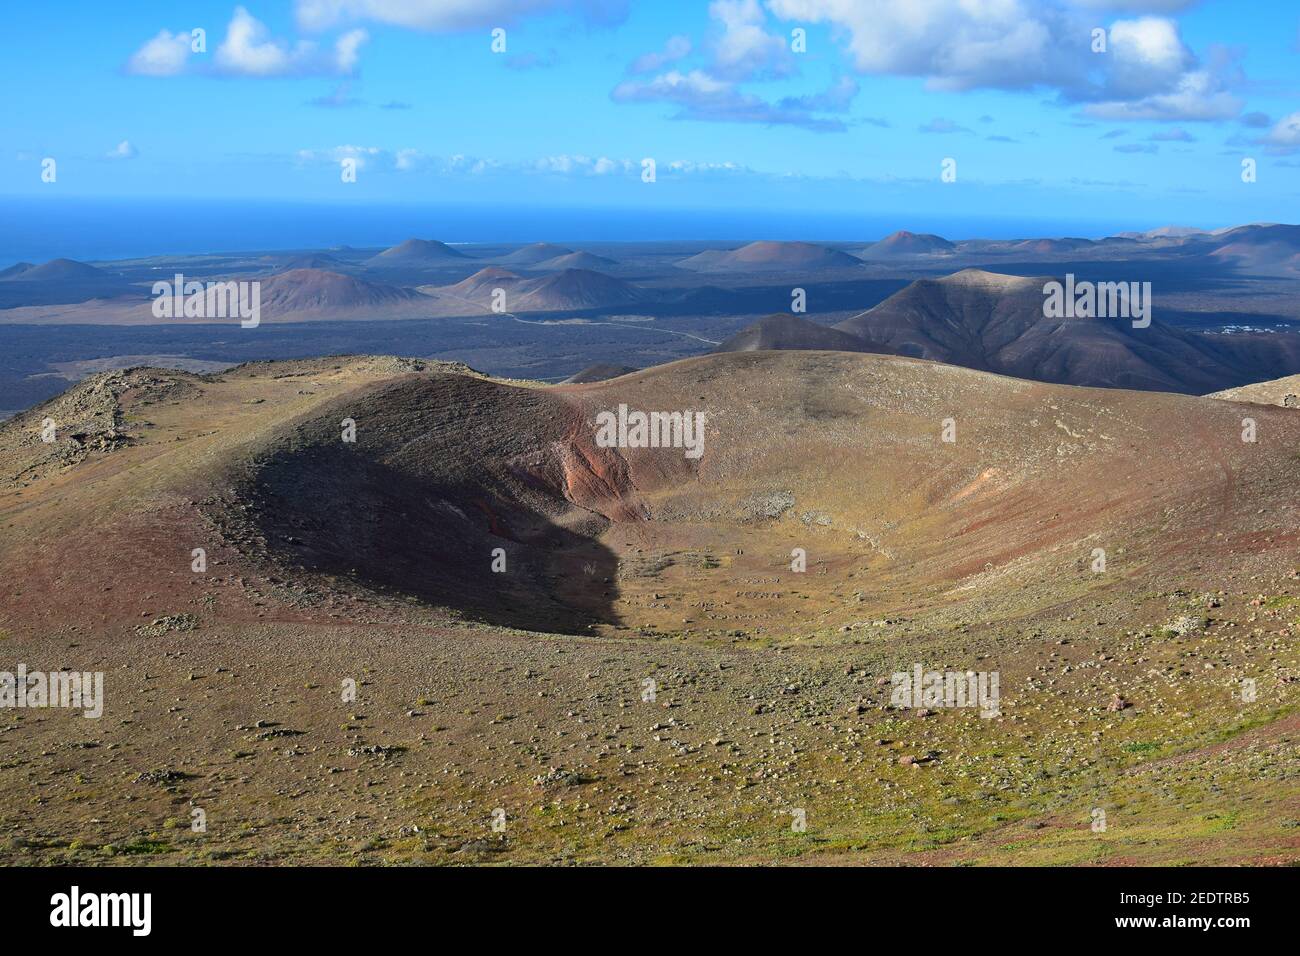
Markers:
<point>448,479</point>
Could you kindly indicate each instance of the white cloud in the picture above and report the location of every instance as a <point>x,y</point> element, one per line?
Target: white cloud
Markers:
<point>580,165</point>
<point>688,167</point>
<point>473,165</point>
<point>837,98</point>
<point>701,96</point>
<point>345,50</point>
<point>1199,96</point>
<point>1145,56</point>
<point>1284,138</point>
<point>1137,6</point>
<point>565,164</point>
<point>407,159</point>
<point>249,50</point>
<point>959,44</point>
<point>164,55</point>
<point>1152,41</point>
<point>450,15</point>
<point>693,87</point>
<point>123,150</point>
<point>362,154</point>
<point>675,49</point>
<point>745,49</point>
<point>1147,73</point>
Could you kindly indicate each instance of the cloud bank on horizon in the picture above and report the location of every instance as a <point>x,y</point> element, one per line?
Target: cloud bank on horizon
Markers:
<point>738,101</point>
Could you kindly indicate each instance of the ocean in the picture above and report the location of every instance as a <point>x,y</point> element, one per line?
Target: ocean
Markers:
<point>35,230</point>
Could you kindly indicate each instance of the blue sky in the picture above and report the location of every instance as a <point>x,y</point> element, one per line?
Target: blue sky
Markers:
<point>1152,130</point>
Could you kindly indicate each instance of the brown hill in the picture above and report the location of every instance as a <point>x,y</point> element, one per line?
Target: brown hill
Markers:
<point>480,285</point>
<point>599,372</point>
<point>1280,391</point>
<point>904,243</point>
<point>575,289</point>
<point>56,270</point>
<point>783,330</point>
<point>577,260</point>
<point>453,457</point>
<point>534,253</point>
<point>571,289</point>
<point>319,291</point>
<point>1164,232</point>
<point>1049,246</point>
<point>508,595</point>
<point>766,256</point>
<point>1272,249</point>
<point>414,253</point>
<point>995,323</point>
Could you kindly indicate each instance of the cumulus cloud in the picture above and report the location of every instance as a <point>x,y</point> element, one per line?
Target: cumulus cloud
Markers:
<point>1175,135</point>
<point>345,50</point>
<point>1137,6</point>
<point>957,44</point>
<point>363,155</point>
<point>565,164</point>
<point>676,48</point>
<point>700,96</point>
<point>123,150</point>
<point>164,55</point>
<point>408,160</point>
<point>690,168</point>
<point>580,165</point>
<point>1284,138</point>
<point>405,160</point>
<point>1145,56</point>
<point>1147,73</point>
<point>249,50</point>
<point>837,98</point>
<point>1199,95</point>
<point>738,49</point>
<point>452,15</point>
<point>576,165</point>
<point>744,48</point>
<point>694,87</point>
